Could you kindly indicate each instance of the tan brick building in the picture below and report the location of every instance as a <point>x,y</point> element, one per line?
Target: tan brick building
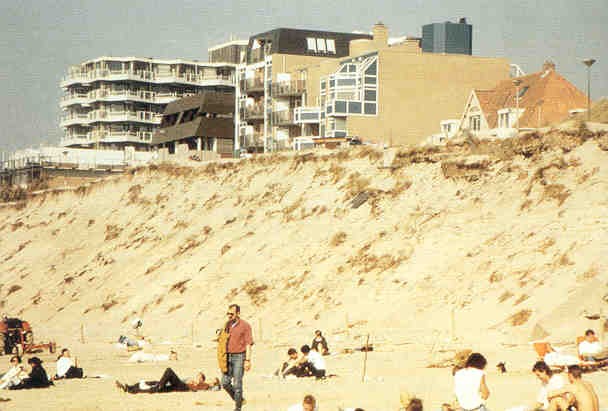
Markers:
<point>326,87</point>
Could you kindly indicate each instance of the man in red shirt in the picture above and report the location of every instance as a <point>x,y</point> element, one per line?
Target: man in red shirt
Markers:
<point>238,351</point>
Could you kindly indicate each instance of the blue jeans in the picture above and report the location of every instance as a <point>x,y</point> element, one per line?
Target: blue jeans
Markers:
<point>235,372</point>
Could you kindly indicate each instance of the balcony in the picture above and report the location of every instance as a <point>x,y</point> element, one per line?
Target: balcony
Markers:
<point>74,98</point>
<point>72,119</point>
<point>254,112</point>
<point>283,118</point>
<point>289,88</point>
<point>89,77</point>
<point>253,85</point>
<point>307,115</point>
<point>138,116</point>
<point>129,136</point>
<point>76,140</point>
<point>255,139</point>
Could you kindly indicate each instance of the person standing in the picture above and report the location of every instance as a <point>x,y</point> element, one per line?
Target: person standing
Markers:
<point>238,354</point>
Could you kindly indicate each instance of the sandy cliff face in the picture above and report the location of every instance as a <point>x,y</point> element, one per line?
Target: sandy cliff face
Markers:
<point>511,237</point>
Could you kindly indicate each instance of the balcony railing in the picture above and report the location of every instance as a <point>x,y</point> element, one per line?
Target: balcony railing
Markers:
<point>307,115</point>
<point>253,84</point>
<point>144,75</point>
<point>284,117</point>
<point>288,88</point>
<point>254,112</point>
<point>255,139</point>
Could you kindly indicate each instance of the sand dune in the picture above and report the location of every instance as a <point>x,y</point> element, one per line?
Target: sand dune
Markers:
<point>502,237</point>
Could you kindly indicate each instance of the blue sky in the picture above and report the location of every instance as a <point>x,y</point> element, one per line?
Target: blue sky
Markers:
<point>40,39</point>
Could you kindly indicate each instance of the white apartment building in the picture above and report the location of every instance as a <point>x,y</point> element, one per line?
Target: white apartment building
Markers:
<point>113,102</point>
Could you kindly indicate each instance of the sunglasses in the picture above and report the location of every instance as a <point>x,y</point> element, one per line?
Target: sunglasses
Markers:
<point>230,314</point>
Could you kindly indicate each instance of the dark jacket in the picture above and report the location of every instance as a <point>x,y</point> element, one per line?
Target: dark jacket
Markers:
<point>36,379</point>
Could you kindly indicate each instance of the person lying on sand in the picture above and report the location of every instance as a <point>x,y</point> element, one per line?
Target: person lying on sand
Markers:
<point>37,377</point>
<point>170,382</point>
<point>582,395</point>
<point>66,368</point>
<point>14,375</point>
<point>141,356</point>
<point>309,403</point>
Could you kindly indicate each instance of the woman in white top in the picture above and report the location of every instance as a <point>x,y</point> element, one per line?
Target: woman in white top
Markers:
<point>66,367</point>
<point>14,375</point>
<point>470,384</point>
<point>550,382</point>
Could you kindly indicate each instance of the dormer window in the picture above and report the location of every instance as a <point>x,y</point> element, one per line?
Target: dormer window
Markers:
<point>321,45</point>
<point>331,46</point>
<point>312,44</point>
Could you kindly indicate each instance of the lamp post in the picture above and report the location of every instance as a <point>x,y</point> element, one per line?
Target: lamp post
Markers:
<point>589,63</point>
<point>516,83</point>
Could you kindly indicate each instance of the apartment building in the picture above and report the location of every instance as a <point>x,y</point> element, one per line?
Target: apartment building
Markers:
<point>448,37</point>
<point>113,102</point>
<point>269,90</point>
<point>379,89</point>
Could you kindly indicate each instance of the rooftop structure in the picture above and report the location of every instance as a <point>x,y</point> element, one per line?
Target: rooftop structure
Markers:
<point>233,52</point>
<point>111,102</point>
<point>448,37</point>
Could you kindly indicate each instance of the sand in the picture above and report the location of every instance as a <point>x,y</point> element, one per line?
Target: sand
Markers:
<point>504,238</point>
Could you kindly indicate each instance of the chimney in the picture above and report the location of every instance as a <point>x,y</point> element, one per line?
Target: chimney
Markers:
<point>380,34</point>
<point>548,65</point>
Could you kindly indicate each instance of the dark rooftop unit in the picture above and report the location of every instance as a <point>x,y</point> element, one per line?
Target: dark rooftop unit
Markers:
<point>300,42</point>
<point>448,37</point>
<point>208,114</point>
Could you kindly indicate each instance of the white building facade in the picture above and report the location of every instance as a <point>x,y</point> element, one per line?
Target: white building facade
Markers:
<point>113,102</point>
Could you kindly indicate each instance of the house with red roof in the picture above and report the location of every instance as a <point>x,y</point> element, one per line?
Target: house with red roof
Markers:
<point>525,103</point>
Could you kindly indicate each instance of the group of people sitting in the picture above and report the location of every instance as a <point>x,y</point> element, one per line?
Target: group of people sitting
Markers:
<point>472,391</point>
<point>17,378</point>
<point>310,363</point>
<point>589,352</point>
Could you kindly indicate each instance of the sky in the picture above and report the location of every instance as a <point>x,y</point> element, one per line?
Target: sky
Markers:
<point>40,39</point>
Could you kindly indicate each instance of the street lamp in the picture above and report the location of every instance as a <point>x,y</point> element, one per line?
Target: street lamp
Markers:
<point>516,83</point>
<point>589,63</point>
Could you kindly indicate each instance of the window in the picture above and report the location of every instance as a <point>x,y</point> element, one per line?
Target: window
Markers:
<point>370,95</point>
<point>354,107</point>
<point>331,46</point>
<point>475,123</point>
<point>321,45</point>
<point>370,108</point>
<point>312,43</point>
<point>372,69</point>
<point>522,91</point>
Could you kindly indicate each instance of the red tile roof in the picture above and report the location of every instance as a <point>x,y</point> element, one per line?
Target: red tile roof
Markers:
<point>546,100</point>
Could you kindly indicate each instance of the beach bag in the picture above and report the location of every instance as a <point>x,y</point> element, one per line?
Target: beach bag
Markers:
<point>222,346</point>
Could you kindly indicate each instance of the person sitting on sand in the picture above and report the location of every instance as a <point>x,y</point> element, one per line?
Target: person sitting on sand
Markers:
<point>289,367</point>
<point>66,368</point>
<point>309,403</point>
<point>14,375</point>
<point>582,395</point>
<point>590,349</point>
<point>141,356</point>
<point>319,340</point>
<point>312,362</point>
<point>37,377</point>
<point>169,382</point>
<point>470,383</point>
<point>550,382</point>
